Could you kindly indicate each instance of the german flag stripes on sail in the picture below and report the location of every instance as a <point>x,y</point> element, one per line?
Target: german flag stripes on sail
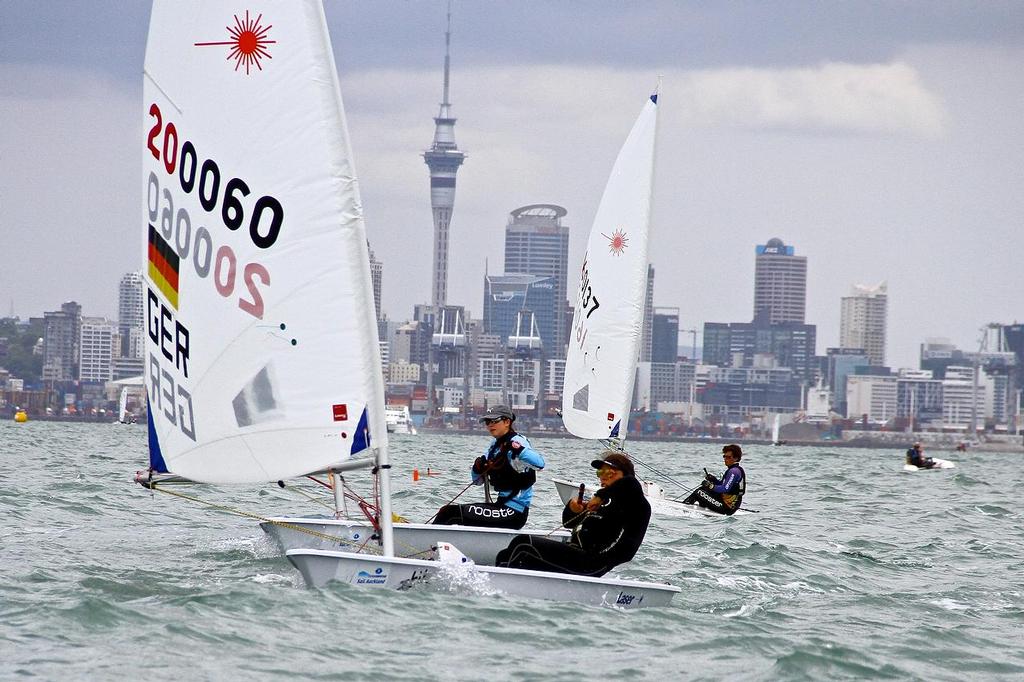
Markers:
<point>163,267</point>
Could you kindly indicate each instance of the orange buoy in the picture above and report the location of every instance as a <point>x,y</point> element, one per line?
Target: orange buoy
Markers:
<point>415,474</point>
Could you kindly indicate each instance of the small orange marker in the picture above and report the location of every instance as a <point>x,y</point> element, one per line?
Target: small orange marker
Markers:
<point>415,474</point>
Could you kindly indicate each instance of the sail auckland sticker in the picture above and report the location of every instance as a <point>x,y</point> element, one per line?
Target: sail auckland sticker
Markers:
<point>378,577</point>
<point>196,206</point>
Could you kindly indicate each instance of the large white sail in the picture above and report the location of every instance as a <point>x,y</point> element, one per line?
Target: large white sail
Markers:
<point>604,341</point>
<point>262,360</point>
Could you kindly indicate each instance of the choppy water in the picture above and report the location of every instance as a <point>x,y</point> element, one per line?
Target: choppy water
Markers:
<point>851,569</point>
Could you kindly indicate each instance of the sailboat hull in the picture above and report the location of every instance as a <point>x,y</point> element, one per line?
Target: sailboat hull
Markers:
<point>320,567</point>
<point>939,464</point>
<point>411,539</point>
<point>655,495</point>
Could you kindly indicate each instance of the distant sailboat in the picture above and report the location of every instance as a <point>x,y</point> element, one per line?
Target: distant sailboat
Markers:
<point>600,367</point>
<point>775,430</point>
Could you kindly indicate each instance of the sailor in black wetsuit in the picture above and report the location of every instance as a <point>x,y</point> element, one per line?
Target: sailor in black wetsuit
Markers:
<point>509,467</point>
<point>723,495</point>
<point>915,456</point>
<point>606,532</point>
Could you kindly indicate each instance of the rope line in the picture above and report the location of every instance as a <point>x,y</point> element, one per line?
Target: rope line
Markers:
<point>359,547</point>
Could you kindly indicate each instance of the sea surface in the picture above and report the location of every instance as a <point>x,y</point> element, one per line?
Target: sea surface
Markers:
<point>851,569</point>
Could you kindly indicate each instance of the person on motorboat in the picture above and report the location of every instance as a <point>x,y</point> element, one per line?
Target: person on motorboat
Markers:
<point>915,457</point>
<point>509,467</point>
<point>723,495</point>
<point>606,531</point>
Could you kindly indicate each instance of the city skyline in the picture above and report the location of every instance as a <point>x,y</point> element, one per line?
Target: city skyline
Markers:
<point>883,148</point>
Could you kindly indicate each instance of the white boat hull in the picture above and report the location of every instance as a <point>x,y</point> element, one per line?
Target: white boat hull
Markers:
<point>660,504</point>
<point>939,464</point>
<point>411,539</point>
<point>319,567</point>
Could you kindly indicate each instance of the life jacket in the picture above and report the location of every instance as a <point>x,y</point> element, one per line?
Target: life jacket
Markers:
<point>502,476</point>
<point>733,500</point>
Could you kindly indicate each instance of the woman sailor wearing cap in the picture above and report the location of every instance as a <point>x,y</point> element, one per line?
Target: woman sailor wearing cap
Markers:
<point>606,531</point>
<point>509,466</point>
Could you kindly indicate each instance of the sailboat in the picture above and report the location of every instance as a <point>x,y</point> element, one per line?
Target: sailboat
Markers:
<point>604,344</point>
<point>628,189</point>
<point>262,358</point>
<point>122,408</point>
<point>775,430</point>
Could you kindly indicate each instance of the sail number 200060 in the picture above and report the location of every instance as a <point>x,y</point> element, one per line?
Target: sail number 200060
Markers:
<point>265,218</point>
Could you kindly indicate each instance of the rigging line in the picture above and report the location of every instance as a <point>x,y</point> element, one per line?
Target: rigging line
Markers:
<point>239,512</point>
<point>434,515</point>
<point>312,498</point>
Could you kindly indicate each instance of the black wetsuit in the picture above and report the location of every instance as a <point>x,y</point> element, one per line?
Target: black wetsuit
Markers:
<point>724,495</point>
<point>914,457</point>
<point>601,540</point>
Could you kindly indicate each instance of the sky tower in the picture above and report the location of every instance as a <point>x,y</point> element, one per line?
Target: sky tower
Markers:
<point>443,158</point>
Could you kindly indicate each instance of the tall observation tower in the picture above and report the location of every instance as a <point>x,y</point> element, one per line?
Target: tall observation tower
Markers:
<point>443,158</point>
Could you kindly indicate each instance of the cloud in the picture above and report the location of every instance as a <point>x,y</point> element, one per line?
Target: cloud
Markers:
<point>833,97</point>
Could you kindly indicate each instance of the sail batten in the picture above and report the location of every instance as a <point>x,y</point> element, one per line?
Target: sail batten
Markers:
<point>262,361</point>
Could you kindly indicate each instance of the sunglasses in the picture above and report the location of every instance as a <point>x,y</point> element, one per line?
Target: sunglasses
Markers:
<point>606,470</point>
<point>488,422</point>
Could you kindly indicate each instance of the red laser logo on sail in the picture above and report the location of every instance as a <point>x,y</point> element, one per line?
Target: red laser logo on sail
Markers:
<point>618,242</point>
<point>248,42</point>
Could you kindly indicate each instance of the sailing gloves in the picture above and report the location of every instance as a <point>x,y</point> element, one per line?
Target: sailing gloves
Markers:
<point>479,464</point>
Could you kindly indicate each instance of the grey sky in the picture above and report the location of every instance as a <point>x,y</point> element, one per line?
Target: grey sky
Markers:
<point>883,140</point>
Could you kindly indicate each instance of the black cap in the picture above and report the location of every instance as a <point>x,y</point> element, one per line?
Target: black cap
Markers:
<point>615,460</point>
<point>499,412</point>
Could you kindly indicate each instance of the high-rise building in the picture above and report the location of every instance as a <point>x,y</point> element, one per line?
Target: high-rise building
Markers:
<point>780,282</point>
<point>377,278</point>
<point>537,243</point>
<point>99,344</point>
<point>510,298</point>
<point>862,321</point>
<point>131,315</point>
<point>665,335</point>
<point>648,325</point>
<point>443,159</point>
<point>737,344</point>
<point>60,342</point>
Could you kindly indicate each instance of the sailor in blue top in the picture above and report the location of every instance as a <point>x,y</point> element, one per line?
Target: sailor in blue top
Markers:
<point>723,495</point>
<point>509,467</point>
<point>915,456</point>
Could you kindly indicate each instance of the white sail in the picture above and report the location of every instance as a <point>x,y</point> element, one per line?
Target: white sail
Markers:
<point>262,360</point>
<point>604,341</point>
<point>122,406</point>
<point>775,429</point>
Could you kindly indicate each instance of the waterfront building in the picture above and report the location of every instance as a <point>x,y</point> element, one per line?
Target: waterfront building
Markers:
<point>665,335</point>
<point>737,394</point>
<point>780,283</point>
<point>919,398</point>
<point>862,321</point>
<point>647,330</point>
<point>537,243</point>
<point>377,279</point>
<point>841,363</point>
<point>131,315</point>
<point>61,331</point>
<point>99,344</point>
<point>516,304</point>
<point>871,398</point>
<point>735,344</point>
<point>963,399</point>
<point>443,159</point>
